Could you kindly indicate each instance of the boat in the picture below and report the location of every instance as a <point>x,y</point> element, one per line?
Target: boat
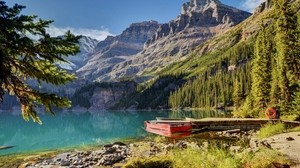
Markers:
<point>169,119</point>
<point>169,128</point>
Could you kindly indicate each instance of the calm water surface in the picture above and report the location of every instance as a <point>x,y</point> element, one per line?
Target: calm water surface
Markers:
<point>73,129</point>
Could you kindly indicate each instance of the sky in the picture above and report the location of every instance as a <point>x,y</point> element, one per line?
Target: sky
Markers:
<point>99,18</point>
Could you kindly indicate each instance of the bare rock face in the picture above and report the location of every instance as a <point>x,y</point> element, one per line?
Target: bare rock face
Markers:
<point>105,98</point>
<point>103,95</point>
<point>199,21</point>
<point>263,6</point>
<point>117,49</point>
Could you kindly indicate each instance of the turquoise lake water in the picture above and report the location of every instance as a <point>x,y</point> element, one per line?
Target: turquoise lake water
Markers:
<point>79,129</point>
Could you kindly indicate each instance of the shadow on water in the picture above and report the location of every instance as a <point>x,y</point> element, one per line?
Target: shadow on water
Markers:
<point>199,114</point>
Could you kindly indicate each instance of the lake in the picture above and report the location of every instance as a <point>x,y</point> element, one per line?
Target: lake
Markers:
<point>80,129</point>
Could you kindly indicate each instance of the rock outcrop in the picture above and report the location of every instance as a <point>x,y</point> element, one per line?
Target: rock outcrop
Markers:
<point>117,49</point>
<point>199,21</point>
<point>102,95</point>
<point>263,6</point>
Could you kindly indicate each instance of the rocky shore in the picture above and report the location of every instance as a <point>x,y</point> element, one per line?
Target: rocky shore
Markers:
<point>118,153</point>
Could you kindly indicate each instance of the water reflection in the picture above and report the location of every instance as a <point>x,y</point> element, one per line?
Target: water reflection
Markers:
<point>74,129</point>
<point>198,114</point>
<point>69,129</point>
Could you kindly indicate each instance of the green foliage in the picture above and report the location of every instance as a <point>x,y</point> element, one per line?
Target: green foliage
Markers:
<point>153,94</point>
<point>247,110</point>
<point>261,68</point>
<point>269,78</point>
<point>296,103</point>
<point>270,130</point>
<point>237,93</point>
<point>149,163</point>
<point>23,58</point>
<point>213,86</point>
<point>288,50</point>
<point>264,158</point>
<point>213,157</point>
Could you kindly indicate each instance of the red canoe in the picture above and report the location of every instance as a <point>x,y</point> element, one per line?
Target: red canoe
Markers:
<point>172,129</point>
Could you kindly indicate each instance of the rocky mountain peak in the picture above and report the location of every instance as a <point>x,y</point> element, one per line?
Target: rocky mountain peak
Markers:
<point>198,21</point>
<point>198,6</point>
<point>145,46</point>
<point>203,15</point>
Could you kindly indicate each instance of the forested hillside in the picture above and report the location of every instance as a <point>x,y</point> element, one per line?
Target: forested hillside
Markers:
<point>255,73</point>
<point>251,66</point>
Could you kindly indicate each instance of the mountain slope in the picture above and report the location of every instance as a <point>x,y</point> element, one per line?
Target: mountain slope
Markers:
<point>221,70</point>
<point>117,49</point>
<point>211,69</point>
<point>87,45</point>
<point>199,21</point>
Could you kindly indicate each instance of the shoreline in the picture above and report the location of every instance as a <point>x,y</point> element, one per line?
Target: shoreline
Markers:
<point>118,154</point>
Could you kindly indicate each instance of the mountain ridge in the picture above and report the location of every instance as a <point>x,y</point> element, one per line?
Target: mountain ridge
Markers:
<point>117,49</point>
<point>174,40</point>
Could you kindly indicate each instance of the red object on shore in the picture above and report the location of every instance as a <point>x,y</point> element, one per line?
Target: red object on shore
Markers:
<point>172,129</point>
<point>270,113</point>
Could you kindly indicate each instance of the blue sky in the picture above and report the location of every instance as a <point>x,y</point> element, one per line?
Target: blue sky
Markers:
<point>99,18</point>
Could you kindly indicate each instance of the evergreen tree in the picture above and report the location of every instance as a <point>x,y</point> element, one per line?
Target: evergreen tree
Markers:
<point>237,94</point>
<point>288,49</point>
<point>23,58</point>
<point>261,70</point>
<point>296,103</point>
<point>275,90</point>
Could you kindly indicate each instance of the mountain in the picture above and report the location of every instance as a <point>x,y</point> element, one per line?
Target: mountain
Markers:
<point>117,49</point>
<point>208,77</point>
<point>220,71</point>
<point>87,45</point>
<point>199,21</point>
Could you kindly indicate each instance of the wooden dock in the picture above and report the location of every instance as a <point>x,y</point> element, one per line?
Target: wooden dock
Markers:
<point>225,124</point>
<point>175,128</point>
<point>243,124</point>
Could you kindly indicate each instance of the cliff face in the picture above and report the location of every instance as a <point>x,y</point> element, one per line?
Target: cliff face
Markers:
<point>199,21</point>
<point>100,96</point>
<point>117,49</point>
<point>105,98</point>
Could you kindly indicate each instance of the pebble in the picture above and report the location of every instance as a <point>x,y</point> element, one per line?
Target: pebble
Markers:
<point>290,139</point>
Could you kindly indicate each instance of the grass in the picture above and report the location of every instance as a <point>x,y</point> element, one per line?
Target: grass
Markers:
<point>213,157</point>
<point>271,129</point>
<point>264,158</point>
<point>291,117</point>
<point>274,129</point>
<point>149,163</point>
<point>15,160</point>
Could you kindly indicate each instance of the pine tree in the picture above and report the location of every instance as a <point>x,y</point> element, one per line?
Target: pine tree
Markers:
<point>23,58</point>
<point>237,94</point>
<point>261,70</point>
<point>296,102</point>
<point>288,49</point>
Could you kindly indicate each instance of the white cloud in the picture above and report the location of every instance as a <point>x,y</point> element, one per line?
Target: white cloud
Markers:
<point>99,35</point>
<point>250,5</point>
